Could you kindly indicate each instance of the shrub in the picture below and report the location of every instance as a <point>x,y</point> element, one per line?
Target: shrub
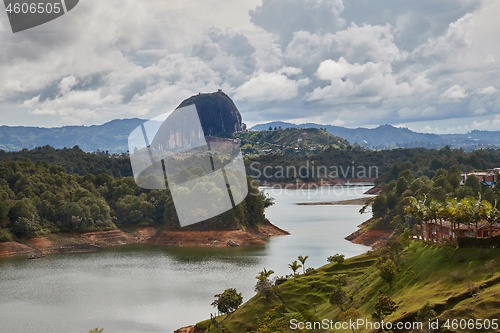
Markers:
<point>338,258</point>
<point>228,301</point>
<point>480,243</point>
<point>5,235</point>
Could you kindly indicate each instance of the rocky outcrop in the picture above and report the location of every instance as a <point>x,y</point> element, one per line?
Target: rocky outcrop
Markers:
<point>232,243</point>
<point>217,113</point>
<point>369,237</point>
<point>189,329</point>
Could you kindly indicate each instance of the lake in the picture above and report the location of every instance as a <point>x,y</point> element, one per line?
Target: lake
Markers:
<point>137,288</point>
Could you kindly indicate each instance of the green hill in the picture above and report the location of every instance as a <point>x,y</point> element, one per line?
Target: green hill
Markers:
<point>292,141</point>
<point>457,283</point>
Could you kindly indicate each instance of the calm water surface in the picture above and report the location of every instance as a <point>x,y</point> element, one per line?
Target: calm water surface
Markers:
<point>135,289</point>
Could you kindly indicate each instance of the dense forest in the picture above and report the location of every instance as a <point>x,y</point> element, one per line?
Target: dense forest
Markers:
<point>387,163</point>
<point>38,198</point>
<point>75,160</point>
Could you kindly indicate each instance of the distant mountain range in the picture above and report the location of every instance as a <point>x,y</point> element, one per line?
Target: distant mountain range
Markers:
<point>113,136</point>
<point>387,136</point>
<point>217,113</point>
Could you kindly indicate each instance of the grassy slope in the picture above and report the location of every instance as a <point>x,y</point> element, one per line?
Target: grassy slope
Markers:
<point>424,276</point>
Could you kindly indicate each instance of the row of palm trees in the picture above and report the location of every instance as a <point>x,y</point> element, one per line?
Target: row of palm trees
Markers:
<point>468,211</point>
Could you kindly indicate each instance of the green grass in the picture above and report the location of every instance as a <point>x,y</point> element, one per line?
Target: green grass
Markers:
<point>424,275</point>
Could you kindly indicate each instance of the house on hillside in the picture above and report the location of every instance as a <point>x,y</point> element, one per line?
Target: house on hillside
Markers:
<point>487,178</point>
<point>436,230</point>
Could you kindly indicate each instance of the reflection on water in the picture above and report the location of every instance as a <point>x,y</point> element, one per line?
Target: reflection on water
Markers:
<point>158,289</point>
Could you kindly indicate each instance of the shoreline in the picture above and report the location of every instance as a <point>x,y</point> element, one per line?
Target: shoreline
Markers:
<point>355,202</point>
<point>369,237</point>
<point>97,240</point>
<point>301,185</point>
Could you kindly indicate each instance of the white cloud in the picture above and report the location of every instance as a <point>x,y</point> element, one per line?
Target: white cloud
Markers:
<point>352,63</point>
<point>454,92</point>
<point>487,91</point>
<point>368,82</point>
<point>487,124</point>
<point>67,83</point>
<point>267,87</point>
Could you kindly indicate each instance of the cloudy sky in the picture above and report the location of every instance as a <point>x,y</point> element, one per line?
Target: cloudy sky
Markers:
<point>428,65</point>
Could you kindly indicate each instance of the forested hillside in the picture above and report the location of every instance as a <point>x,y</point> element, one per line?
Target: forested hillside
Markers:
<point>386,163</point>
<point>75,160</point>
<point>290,141</point>
<point>38,198</point>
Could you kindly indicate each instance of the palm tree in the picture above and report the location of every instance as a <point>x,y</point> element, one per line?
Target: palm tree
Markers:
<point>264,274</point>
<point>471,208</point>
<point>303,262</point>
<point>434,213</point>
<point>490,214</point>
<point>294,266</point>
<point>454,214</point>
<point>417,209</point>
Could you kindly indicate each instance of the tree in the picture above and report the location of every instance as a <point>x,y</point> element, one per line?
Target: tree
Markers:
<point>263,284</point>
<point>228,301</point>
<point>340,279</point>
<point>490,214</point>
<point>417,209</point>
<point>303,262</point>
<point>473,183</point>
<point>379,207</point>
<point>338,258</point>
<point>338,297</point>
<point>384,306</point>
<point>294,266</point>
<point>454,214</point>
<point>426,313</point>
<point>405,238</point>
<point>351,315</point>
<point>471,208</point>
<point>388,271</point>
